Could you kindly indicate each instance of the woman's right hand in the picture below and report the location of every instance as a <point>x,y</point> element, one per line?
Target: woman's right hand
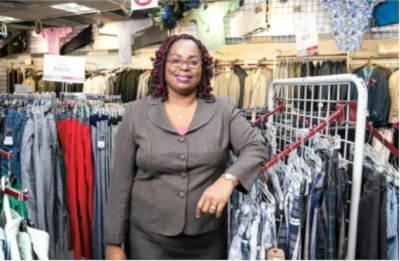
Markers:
<point>115,252</point>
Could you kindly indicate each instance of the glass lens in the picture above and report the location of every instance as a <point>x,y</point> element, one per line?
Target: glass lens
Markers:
<point>194,64</point>
<point>176,62</point>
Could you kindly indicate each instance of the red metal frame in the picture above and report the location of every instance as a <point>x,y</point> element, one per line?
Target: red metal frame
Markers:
<point>388,144</point>
<point>277,109</point>
<point>16,193</point>
<point>338,115</point>
<point>8,155</point>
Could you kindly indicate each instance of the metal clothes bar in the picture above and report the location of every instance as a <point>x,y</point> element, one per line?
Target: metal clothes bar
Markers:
<point>318,83</point>
<point>19,195</point>
<point>388,145</point>
<point>7,155</point>
<point>339,113</point>
<point>277,109</point>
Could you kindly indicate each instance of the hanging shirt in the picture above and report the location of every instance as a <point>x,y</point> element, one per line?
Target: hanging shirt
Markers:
<point>125,31</point>
<point>210,23</point>
<point>350,21</point>
<point>53,36</point>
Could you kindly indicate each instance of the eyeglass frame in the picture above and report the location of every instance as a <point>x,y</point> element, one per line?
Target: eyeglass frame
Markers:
<point>183,62</point>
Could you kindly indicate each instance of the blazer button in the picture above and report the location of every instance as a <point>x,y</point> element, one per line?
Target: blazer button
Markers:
<point>182,140</point>
<point>182,194</point>
<point>184,175</point>
<point>183,157</point>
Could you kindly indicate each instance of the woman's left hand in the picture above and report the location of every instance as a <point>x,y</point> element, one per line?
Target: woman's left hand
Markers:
<point>215,197</point>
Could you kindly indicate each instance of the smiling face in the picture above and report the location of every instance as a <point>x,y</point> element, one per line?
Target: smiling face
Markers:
<point>183,80</point>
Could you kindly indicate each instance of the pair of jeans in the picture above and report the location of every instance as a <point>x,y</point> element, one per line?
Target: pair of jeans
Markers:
<point>392,224</point>
<point>371,229</point>
<point>13,123</point>
<point>101,180</point>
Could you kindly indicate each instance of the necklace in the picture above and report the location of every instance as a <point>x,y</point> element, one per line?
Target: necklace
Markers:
<point>180,114</point>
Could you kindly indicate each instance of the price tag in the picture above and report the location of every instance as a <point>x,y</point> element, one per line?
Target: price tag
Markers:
<point>8,140</point>
<point>275,254</point>
<point>101,142</point>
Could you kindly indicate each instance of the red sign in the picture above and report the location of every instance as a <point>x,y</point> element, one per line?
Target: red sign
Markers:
<point>143,2</point>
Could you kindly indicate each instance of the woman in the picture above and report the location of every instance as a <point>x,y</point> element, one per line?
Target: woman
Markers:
<point>170,185</point>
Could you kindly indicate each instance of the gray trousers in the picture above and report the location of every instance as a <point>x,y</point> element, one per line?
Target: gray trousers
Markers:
<point>27,170</point>
<point>55,148</point>
<point>48,180</point>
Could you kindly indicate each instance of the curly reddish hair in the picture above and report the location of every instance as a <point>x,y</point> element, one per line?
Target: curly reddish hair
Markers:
<point>158,86</point>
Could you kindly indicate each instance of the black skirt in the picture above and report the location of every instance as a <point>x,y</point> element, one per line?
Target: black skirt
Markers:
<point>146,245</point>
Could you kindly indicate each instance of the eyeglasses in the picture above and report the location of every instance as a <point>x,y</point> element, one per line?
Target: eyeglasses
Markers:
<point>177,63</point>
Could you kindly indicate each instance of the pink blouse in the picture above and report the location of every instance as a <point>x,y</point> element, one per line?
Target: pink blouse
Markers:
<point>181,130</point>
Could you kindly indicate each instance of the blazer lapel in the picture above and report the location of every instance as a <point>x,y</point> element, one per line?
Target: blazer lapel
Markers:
<point>204,113</point>
<point>158,115</point>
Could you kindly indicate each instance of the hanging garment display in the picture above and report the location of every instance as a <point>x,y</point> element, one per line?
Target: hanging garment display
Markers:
<point>17,45</point>
<point>378,93</point>
<point>83,39</point>
<point>210,22</point>
<point>350,21</point>
<point>386,12</point>
<point>53,37</point>
<point>125,30</point>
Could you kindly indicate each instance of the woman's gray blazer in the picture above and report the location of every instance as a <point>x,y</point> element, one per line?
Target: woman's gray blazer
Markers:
<point>159,175</point>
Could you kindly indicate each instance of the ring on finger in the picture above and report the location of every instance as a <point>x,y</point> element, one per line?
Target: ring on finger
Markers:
<point>213,208</point>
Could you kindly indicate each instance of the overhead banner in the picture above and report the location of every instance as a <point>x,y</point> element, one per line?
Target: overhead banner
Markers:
<point>307,36</point>
<point>143,4</point>
<point>64,69</point>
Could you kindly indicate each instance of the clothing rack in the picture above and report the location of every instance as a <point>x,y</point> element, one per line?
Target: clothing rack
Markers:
<point>341,116</point>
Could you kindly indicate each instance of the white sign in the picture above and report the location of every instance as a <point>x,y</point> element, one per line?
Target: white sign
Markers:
<point>307,36</point>
<point>143,4</point>
<point>64,69</point>
<point>389,48</point>
<point>23,88</point>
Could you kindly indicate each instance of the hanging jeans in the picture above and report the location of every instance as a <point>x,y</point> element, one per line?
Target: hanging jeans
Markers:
<point>392,224</point>
<point>101,181</point>
<point>13,123</point>
<point>371,239</point>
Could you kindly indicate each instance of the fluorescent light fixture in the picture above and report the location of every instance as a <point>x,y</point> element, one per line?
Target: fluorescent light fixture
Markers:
<point>74,8</point>
<point>8,19</point>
